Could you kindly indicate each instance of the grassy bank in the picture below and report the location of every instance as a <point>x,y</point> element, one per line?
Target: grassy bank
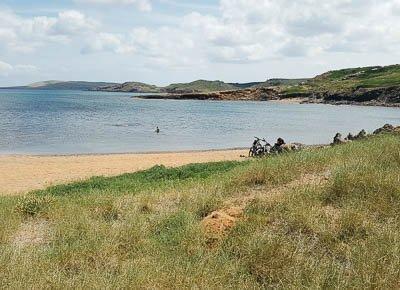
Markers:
<point>350,79</point>
<point>319,218</point>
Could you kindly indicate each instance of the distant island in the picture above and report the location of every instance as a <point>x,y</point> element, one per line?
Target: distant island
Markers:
<point>376,85</point>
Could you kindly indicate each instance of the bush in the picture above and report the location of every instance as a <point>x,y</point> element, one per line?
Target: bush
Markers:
<point>31,205</point>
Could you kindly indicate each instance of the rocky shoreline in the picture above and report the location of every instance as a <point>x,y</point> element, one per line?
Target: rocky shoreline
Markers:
<point>387,97</point>
<point>350,103</point>
<point>259,94</point>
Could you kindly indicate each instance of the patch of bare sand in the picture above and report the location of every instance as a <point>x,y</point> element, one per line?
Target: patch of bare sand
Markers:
<point>288,101</point>
<point>19,174</point>
<point>219,222</point>
<point>31,233</point>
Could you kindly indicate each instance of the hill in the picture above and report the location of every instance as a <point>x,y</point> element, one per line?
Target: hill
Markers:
<point>280,82</point>
<point>364,77</point>
<point>62,85</point>
<point>199,86</point>
<point>132,87</point>
<point>377,84</point>
<point>44,84</point>
<point>320,218</point>
<point>365,86</point>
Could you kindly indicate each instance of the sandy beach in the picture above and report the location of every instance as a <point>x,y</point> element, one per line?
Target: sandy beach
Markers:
<point>288,101</point>
<point>21,173</point>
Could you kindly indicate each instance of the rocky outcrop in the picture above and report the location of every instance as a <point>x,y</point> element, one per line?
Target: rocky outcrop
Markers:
<point>387,128</point>
<point>389,96</point>
<point>260,94</point>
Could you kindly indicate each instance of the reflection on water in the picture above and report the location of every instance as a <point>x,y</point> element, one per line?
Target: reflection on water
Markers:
<point>66,122</point>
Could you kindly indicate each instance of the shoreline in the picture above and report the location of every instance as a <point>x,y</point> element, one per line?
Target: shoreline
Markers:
<point>292,101</point>
<point>119,153</point>
<point>24,173</point>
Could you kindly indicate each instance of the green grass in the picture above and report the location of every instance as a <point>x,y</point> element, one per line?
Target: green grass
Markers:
<point>350,79</point>
<point>202,86</point>
<point>142,230</point>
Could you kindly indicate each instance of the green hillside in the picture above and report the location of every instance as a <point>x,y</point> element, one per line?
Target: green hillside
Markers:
<point>351,79</point>
<point>44,84</point>
<point>345,82</point>
<point>199,86</point>
<point>70,85</point>
<point>133,87</point>
<point>323,218</point>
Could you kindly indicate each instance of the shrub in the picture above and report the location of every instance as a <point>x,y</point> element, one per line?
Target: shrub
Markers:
<point>32,205</point>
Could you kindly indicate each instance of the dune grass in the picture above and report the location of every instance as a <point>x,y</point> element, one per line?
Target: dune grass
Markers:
<point>143,230</point>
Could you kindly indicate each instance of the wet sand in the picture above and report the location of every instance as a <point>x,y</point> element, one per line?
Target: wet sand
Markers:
<point>21,173</point>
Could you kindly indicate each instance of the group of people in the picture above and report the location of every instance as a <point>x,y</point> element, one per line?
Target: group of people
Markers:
<point>259,150</point>
<point>387,128</point>
<point>279,146</point>
<point>338,139</point>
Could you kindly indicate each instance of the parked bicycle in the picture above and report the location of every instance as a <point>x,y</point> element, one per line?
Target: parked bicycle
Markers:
<point>259,148</point>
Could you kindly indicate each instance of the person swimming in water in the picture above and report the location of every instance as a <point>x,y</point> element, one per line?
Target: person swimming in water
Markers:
<point>157,130</point>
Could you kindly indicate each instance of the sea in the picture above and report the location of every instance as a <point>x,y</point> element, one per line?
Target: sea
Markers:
<point>57,122</point>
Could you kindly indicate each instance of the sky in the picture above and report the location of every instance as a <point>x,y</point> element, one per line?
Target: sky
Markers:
<point>169,41</point>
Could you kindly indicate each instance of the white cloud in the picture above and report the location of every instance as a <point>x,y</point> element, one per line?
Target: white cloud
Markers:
<point>165,46</point>
<point>7,69</point>
<point>26,34</point>
<point>143,5</point>
<point>249,30</point>
<point>72,23</point>
<point>256,30</point>
<point>25,68</point>
<point>239,31</point>
<point>107,42</point>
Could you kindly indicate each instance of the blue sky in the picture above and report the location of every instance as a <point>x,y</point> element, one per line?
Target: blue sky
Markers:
<point>165,41</point>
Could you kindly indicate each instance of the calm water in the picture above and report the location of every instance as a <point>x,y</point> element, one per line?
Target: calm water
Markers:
<point>66,122</point>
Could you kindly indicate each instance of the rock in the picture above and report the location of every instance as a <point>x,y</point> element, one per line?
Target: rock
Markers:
<point>361,135</point>
<point>387,128</point>
<point>388,96</point>
<point>337,140</point>
<point>350,137</point>
<point>257,94</point>
<point>375,96</point>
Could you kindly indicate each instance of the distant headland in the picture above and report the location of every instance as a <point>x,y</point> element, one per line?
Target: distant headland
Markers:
<point>376,85</point>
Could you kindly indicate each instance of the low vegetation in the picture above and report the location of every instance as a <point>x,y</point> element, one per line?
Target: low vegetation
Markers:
<point>70,85</point>
<point>200,86</point>
<point>320,218</point>
<point>377,85</point>
<point>132,87</point>
<point>350,79</point>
